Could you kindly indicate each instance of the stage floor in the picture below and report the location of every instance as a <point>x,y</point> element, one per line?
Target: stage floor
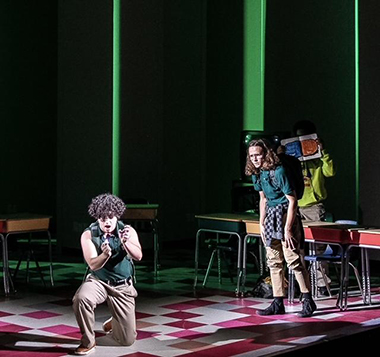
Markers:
<point>173,320</point>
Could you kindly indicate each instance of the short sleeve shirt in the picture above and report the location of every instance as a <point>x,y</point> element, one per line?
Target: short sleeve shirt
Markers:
<point>274,191</point>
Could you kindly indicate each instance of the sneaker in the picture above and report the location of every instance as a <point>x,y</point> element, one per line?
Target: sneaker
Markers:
<point>308,307</point>
<point>107,326</point>
<point>81,350</point>
<point>275,308</point>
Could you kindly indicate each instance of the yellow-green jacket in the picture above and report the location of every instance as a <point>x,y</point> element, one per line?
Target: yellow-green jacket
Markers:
<point>314,172</point>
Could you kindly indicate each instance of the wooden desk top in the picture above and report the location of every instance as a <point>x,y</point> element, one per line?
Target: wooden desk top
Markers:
<point>140,212</point>
<point>21,216</point>
<point>321,224</point>
<point>23,222</point>
<point>142,206</point>
<point>252,220</point>
<point>231,217</point>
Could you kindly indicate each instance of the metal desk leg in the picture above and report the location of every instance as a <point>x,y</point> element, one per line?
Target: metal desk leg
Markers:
<point>364,280</point>
<point>196,262</point>
<point>239,271</point>
<point>343,274</point>
<point>5,281</point>
<point>346,279</point>
<point>366,277</point>
<point>6,275</point>
<point>291,282</point>
<point>365,289</point>
<point>50,259</point>
<point>259,264</point>
<point>261,256</point>
<point>156,247</point>
<point>313,272</point>
<point>244,268</point>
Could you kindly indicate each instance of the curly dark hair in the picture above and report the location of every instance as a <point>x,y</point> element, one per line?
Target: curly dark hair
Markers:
<point>106,205</point>
<point>271,160</point>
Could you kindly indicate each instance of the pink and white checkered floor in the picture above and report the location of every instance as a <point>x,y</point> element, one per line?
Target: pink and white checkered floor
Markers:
<point>172,320</point>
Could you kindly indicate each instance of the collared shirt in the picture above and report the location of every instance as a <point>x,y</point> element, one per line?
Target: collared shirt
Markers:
<point>118,266</point>
<point>274,193</point>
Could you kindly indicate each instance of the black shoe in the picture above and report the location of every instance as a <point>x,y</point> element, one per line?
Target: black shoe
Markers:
<point>275,308</point>
<point>308,307</point>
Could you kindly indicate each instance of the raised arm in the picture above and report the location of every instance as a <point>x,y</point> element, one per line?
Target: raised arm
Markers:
<point>94,261</point>
<point>131,243</point>
<point>328,167</point>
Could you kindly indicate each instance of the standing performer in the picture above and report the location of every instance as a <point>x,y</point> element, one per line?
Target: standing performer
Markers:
<point>311,205</point>
<point>108,248</point>
<point>280,229</point>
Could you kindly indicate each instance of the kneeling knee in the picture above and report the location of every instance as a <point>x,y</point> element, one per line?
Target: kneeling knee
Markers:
<point>129,341</point>
<point>81,300</point>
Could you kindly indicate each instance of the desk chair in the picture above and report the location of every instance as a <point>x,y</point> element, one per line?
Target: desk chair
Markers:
<point>227,224</point>
<point>329,256</point>
<point>220,249</point>
<point>19,224</point>
<point>28,248</point>
<point>252,243</point>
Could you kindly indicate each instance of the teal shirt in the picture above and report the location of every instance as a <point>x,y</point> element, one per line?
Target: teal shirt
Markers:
<point>274,192</point>
<point>118,266</point>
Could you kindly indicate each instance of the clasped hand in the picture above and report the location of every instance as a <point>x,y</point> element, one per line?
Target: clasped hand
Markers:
<point>124,236</point>
<point>106,249</point>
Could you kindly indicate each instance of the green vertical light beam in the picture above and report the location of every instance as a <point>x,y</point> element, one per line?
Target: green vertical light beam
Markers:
<point>254,63</point>
<point>357,157</point>
<point>116,99</point>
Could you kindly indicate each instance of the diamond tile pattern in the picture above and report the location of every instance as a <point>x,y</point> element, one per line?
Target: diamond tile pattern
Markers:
<point>173,320</point>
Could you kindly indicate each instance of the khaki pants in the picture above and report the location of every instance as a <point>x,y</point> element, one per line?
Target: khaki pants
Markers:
<point>317,212</point>
<point>121,302</point>
<point>276,253</point>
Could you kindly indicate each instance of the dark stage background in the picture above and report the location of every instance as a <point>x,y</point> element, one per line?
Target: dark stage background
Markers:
<point>181,103</point>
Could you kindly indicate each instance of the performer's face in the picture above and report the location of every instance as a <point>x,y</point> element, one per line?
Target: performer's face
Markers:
<point>107,225</point>
<point>256,155</point>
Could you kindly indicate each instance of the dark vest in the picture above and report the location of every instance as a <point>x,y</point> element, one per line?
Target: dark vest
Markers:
<point>119,266</point>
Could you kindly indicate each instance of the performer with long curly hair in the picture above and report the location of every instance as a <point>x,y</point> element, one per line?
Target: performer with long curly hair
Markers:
<point>108,248</point>
<point>280,229</point>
